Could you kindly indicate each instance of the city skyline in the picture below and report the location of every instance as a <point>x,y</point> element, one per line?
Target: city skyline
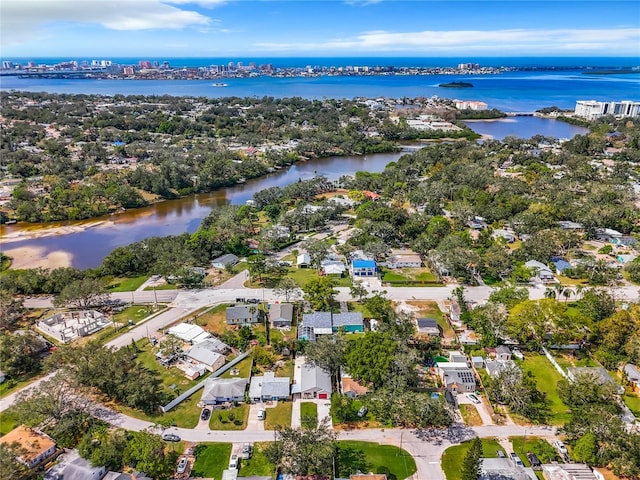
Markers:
<point>214,28</point>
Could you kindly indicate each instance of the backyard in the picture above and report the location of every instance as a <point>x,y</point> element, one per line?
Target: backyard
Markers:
<point>355,456</point>
<point>453,456</point>
<point>547,378</point>
<point>280,415</point>
<point>211,460</point>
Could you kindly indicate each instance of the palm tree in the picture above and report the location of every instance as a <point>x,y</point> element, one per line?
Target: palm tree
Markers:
<point>567,292</point>
<point>549,293</point>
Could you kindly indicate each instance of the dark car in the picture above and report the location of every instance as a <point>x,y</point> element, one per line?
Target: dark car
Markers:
<point>206,413</point>
<point>534,460</point>
<point>170,437</point>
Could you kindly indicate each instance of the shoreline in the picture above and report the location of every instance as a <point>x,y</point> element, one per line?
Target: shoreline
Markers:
<point>41,230</point>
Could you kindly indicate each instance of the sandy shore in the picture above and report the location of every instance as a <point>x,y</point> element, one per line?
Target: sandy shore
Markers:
<point>29,233</point>
<point>34,257</point>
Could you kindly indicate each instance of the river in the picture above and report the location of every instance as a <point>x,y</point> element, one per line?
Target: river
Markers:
<point>84,244</point>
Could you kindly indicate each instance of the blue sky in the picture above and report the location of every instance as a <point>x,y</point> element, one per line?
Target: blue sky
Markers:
<point>269,28</point>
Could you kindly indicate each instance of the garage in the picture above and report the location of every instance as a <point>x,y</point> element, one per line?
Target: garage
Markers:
<point>322,396</point>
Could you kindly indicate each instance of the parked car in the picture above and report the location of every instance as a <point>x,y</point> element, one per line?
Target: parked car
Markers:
<point>206,413</point>
<point>261,414</point>
<point>233,463</point>
<point>182,465</point>
<point>362,412</point>
<point>500,454</point>
<point>474,398</point>
<point>170,437</point>
<point>534,460</point>
<point>560,446</point>
<point>247,451</point>
<point>516,459</point>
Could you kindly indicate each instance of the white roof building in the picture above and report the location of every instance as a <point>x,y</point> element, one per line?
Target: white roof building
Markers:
<point>189,333</point>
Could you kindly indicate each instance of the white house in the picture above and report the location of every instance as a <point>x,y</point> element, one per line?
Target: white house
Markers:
<point>71,466</point>
<point>303,260</point>
<point>504,234</point>
<point>315,383</point>
<point>35,447</point>
<point>541,271</point>
<point>456,376</point>
<point>408,260</point>
<point>222,390</point>
<point>269,387</point>
<point>225,260</point>
<point>206,354</point>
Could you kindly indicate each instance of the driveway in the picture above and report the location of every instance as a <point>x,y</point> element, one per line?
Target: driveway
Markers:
<point>482,408</point>
<point>253,424</point>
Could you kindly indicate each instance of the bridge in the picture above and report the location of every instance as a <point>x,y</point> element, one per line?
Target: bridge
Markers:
<point>520,114</point>
<point>50,73</point>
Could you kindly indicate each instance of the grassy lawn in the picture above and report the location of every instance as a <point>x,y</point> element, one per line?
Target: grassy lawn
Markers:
<point>543,449</point>
<point>572,281</point>
<point>547,378</point>
<point>135,313</point>
<point>279,415</point>
<point>286,370</point>
<point>453,456</point>
<point>244,369</point>
<point>214,320</point>
<point>309,409</point>
<point>470,415</point>
<point>7,423</point>
<point>416,276</point>
<point>302,276</point>
<point>577,359</point>
<point>356,456</point>
<point>164,286</point>
<point>633,403</point>
<point>185,415</point>
<point>126,284</point>
<point>211,460</point>
<point>257,465</point>
<point>9,385</point>
<point>220,419</point>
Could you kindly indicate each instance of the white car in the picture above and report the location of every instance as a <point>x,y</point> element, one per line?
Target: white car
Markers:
<point>474,398</point>
<point>233,463</point>
<point>560,446</point>
<point>261,414</point>
<point>182,465</point>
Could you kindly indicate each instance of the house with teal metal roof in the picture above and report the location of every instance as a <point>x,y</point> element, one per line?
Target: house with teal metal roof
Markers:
<point>364,268</point>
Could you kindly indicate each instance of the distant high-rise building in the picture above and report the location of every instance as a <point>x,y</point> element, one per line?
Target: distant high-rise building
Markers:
<point>7,64</point>
<point>128,70</point>
<point>144,64</point>
<point>591,109</point>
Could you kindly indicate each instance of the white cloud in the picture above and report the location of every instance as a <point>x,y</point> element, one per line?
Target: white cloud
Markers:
<point>21,20</point>
<point>524,41</point>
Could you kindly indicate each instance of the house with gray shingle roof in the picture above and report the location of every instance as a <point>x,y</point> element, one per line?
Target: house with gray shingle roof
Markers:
<point>326,323</point>
<point>269,387</point>
<point>242,315</point>
<point>281,314</point>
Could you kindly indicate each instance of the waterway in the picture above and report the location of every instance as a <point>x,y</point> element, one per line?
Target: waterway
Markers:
<point>84,244</point>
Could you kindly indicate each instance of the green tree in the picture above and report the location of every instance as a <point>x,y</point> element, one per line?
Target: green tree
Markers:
<point>358,290</point>
<point>586,449</point>
<point>146,452</point>
<point>369,357</point>
<point>20,354</point>
<point>11,467</point>
<point>287,288</point>
<point>320,292</point>
<point>471,464</point>
<point>11,309</point>
<point>327,352</point>
<point>85,293</point>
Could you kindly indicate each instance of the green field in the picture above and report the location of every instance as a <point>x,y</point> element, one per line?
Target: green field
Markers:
<point>543,449</point>
<point>220,419</point>
<point>547,378</point>
<point>278,415</point>
<point>10,385</point>
<point>453,456</point>
<point>244,369</point>
<point>258,464</point>
<point>126,284</point>
<point>410,276</point>
<point>302,276</point>
<point>309,409</point>
<point>7,423</point>
<point>354,456</point>
<point>135,313</point>
<point>633,403</point>
<point>211,460</point>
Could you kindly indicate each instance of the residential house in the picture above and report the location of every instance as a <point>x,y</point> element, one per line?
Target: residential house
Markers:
<point>428,326</point>
<point>126,476</point>
<point>407,260</point>
<point>506,235</point>
<point>242,315</point>
<point>495,367</point>
<point>269,387</point>
<point>207,354</point>
<point>71,466</point>
<point>303,260</point>
<point>542,273</point>
<point>332,267</point>
<point>326,323</point>
<point>364,268</point>
<point>35,447</point>
<point>599,374</point>
<point>625,241</point>
<point>315,382</point>
<point>456,376</point>
<point>224,261</point>
<point>569,225</point>
<point>632,373</point>
<point>368,476</point>
<point>608,235</point>
<point>502,469</point>
<point>351,388</point>
<point>454,311</point>
<point>458,357</point>
<point>503,352</point>
<point>561,264</point>
<point>224,390</point>
<point>281,315</point>
<point>477,361</point>
<point>190,333</point>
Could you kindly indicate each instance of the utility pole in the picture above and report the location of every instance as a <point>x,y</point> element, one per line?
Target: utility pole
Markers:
<point>155,296</point>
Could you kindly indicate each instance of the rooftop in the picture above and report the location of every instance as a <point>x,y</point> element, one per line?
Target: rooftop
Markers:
<point>32,443</point>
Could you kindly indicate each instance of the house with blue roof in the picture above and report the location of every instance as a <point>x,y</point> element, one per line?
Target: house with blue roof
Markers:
<point>561,264</point>
<point>364,268</point>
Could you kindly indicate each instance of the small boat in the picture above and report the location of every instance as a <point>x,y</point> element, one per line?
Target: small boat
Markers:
<point>220,85</point>
<point>456,85</point>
